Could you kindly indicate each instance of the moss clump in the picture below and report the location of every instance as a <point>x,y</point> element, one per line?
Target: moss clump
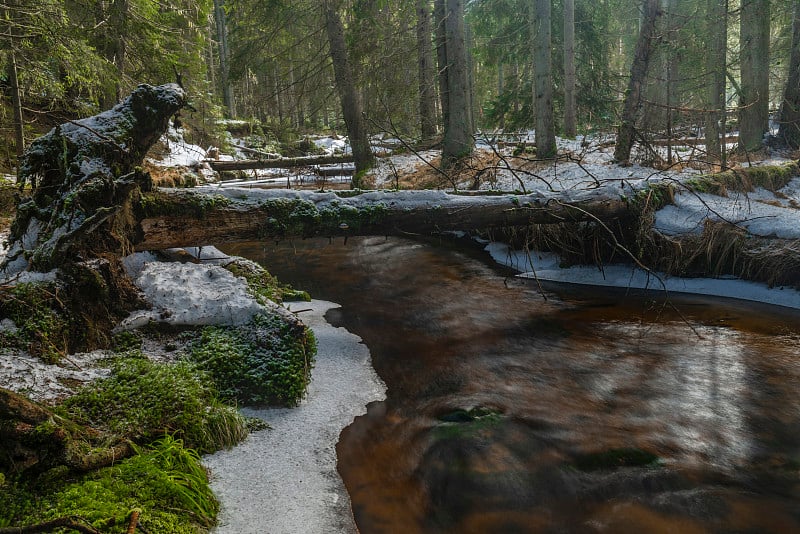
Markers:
<point>746,179</point>
<point>190,204</point>
<point>263,286</point>
<point>296,217</point>
<point>165,482</point>
<point>142,400</point>
<point>466,423</point>
<point>614,458</point>
<point>40,317</point>
<point>266,362</point>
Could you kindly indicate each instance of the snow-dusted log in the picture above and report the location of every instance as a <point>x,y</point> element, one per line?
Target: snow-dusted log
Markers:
<point>177,218</point>
<point>279,163</point>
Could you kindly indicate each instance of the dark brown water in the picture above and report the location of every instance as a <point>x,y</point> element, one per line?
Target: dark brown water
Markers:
<point>507,412</point>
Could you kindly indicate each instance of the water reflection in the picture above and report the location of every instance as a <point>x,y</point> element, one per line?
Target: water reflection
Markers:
<point>510,413</point>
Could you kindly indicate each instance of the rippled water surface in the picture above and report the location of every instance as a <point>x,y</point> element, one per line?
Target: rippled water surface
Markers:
<point>585,411</point>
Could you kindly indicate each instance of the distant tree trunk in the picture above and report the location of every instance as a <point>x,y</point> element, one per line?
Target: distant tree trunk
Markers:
<point>458,140</point>
<point>543,80</point>
<point>570,119</point>
<point>439,13</point>
<point>754,97</point>
<point>790,108</point>
<point>345,84</point>
<point>500,90</point>
<point>119,23</point>
<point>427,91</point>
<point>633,95</point>
<point>716,66</point>
<point>224,56</point>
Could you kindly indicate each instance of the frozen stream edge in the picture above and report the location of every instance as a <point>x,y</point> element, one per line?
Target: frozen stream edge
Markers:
<point>284,480</point>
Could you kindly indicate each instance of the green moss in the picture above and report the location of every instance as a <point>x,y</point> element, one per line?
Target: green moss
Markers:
<point>42,323</point>
<point>262,285</point>
<point>266,362</point>
<point>142,400</point>
<point>193,205</point>
<point>772,178</point>
<point>126,341</point>
<point>165,482</point>
<point>614,458</point>
<point>463,423</point>
<point>297,217</point>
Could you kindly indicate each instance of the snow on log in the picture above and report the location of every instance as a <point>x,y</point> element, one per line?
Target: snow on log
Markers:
<point>83,175</point>
<point>178,218</point>
<point>280,163</point>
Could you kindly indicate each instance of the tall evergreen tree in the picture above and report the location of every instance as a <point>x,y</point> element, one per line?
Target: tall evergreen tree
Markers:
<point>345,85</point>
<point>789,129</point>
<point>458,134</point>
<point>543,79</point>
<point>633,96</point>
<point>754,57</point>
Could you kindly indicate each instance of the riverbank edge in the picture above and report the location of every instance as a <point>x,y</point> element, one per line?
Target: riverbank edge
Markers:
<point>284,479</point>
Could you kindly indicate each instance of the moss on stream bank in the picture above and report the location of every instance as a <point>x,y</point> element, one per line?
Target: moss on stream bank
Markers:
<point>169,412</point>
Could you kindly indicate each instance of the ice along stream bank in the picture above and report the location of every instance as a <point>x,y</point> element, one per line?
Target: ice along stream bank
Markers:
<point>284,480</point>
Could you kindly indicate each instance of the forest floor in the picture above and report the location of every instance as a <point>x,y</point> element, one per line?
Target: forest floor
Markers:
<point>583,168</point>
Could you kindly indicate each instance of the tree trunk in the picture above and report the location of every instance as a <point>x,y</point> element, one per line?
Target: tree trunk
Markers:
<point>790,108</point>
<point>754,98</point>
<point>458,140</point>
<point>633,95</point>
<point>570,112</point>
<point>16,103</point>
<point>543,79</point>
<point>224,57</point>
<point>439,13</point>
<point>179,218</point>
<point>119,24</point>
<point>716,65</point>
<point>427,91</point>
<point>279,163</point>
<point>345,84</point>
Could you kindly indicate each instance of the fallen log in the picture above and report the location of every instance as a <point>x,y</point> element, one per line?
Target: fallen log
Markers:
<point>178,218</point>
<point>279,163</point>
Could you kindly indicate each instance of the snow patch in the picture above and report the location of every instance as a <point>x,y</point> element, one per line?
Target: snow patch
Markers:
<point>190,294</point>
<point>545,266</point>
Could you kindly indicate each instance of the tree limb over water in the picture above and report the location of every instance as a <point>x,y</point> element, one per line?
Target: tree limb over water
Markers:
<point>177,218</point>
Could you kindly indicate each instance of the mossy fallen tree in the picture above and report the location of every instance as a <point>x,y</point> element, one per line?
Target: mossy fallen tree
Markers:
<point>176,218</point>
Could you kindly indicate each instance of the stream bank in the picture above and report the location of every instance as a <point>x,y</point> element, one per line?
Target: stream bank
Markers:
<point>283,480</point>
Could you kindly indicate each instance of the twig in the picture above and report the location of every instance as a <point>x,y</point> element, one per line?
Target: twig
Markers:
<point>75,523</point>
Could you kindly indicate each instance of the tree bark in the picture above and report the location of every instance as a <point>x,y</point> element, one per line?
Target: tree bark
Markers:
<point>789,129</point>
<point>633,95</point>
<point>352,109</point>
<point>224,57</point>
<point>427,90</point>
<point>458,140</point>
<point>278,163</point>
<point>570,118</point>
<point>440,13</point>
<point>754,97</point>
<point>180,218</point>
<point>33,437</point>
<point>543,79</point>
<point>716,65</point>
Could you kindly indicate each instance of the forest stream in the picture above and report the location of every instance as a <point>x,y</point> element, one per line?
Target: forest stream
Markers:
<point>573,410</point>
